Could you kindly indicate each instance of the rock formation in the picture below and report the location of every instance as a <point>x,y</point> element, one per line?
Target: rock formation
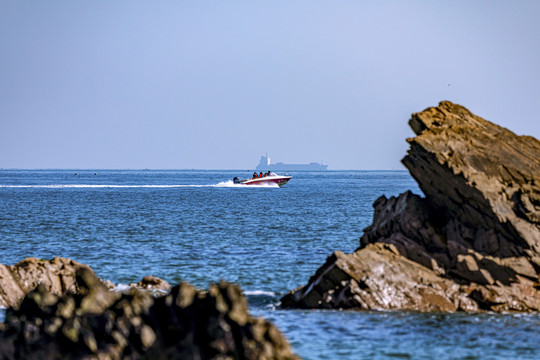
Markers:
<point>472,243</point>
<point>56,276</point>
<point>97,323</point>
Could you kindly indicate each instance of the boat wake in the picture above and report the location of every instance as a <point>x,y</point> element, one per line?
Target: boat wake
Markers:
<point>225,184</point>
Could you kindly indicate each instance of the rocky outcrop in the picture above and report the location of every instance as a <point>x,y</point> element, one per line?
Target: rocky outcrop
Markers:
<point>56,276</point>
<point>97,323</point>
<point>378,278</point>
<point>473,240</point>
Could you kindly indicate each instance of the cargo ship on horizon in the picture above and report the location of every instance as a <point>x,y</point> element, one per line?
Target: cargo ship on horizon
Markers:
<point>265,164</point>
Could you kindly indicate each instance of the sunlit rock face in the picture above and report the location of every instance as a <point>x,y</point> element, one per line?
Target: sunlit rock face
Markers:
<point>56,276</point>
<point>472,243</point>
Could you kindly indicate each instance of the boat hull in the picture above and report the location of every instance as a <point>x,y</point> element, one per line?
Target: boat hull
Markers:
<point>268,180</point>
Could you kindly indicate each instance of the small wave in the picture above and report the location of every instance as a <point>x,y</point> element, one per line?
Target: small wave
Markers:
<point>262,299</point>
<point>121,288</point>
<point>260,293</point>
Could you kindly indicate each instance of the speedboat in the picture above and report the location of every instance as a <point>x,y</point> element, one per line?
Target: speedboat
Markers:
<point>270,179</point>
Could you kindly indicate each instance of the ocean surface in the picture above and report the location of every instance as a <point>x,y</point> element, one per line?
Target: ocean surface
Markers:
<point>199,227</point>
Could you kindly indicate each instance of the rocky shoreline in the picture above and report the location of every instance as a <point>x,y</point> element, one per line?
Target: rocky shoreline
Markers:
<point>471,244</point>
<point>59,309</point>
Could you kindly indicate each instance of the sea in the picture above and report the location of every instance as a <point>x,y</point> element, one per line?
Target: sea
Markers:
<point>199,227</point>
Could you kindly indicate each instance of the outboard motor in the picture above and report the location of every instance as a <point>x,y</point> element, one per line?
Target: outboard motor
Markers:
<point>236,180</point>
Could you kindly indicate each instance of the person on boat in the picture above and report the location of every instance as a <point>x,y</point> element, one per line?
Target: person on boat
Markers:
<point>268,173</point>
<point>260,174</point>
<point>254,175</point>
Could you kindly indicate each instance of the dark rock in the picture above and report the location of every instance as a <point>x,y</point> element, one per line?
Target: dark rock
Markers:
<point>474,239</point>
<point>97,323</point>
<point>152,283</point>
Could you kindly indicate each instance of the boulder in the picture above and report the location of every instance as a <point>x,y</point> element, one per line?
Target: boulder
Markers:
<point>152,283</point>
<point>96,323</point>
<point>474,237</point>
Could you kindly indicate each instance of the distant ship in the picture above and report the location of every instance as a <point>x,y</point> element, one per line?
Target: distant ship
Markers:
<point>265,164</point>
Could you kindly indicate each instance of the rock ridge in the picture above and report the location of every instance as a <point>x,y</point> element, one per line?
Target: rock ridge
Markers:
<point>474,237</point>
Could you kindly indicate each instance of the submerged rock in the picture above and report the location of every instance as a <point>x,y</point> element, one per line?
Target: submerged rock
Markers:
<point>96,323</point>
<point>152,283</point>
<point>472,243</point>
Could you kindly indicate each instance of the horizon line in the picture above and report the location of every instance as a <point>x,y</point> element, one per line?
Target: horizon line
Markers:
<point>185,169</point>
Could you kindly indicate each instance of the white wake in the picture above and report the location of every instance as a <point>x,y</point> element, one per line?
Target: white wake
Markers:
<point>225,184</point>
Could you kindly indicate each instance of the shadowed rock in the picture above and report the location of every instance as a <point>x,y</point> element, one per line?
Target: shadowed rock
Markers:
<point>97,323</point>
<point>476,233</point>
<point>152,283</point>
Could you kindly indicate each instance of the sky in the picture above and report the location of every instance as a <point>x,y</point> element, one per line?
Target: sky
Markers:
<point>216,84</point>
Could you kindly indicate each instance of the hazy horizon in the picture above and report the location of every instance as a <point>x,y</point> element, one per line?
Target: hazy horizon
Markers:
<point>171,169</point>
<point>182,85</point>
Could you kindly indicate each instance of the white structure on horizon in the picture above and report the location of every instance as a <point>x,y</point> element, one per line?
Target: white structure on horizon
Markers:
<point>265,164</point>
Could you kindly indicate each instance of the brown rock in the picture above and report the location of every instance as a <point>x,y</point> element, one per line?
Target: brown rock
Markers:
<point>153,283</point>
<point>377,278</point>
<point>481,174</point>
<point>475,237</point>
<point>56,275</point>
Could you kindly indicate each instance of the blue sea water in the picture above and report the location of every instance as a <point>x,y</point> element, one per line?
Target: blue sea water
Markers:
<point>198,226</point>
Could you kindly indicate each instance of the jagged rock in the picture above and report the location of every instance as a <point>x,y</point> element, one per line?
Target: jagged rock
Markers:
<point>56,275</point>
<point>378,278</point>
<point>97,323</point>
<point>476,230</point>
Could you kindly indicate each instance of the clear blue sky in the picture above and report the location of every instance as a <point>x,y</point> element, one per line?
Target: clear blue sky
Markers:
<point>216,84</point>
